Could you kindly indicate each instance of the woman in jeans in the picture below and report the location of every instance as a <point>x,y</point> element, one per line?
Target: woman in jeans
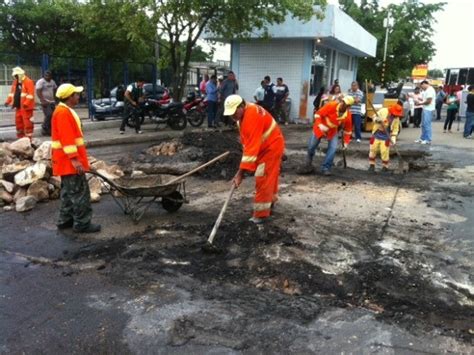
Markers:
<point>452,102</point>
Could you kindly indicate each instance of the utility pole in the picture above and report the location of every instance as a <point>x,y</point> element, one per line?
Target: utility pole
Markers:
<point>388,24</point>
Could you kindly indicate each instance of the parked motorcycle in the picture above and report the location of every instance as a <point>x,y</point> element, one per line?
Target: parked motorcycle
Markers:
<point>163,111</point>
<point>196,109</point>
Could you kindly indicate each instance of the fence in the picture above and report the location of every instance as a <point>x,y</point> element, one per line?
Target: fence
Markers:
<point>98,76</point>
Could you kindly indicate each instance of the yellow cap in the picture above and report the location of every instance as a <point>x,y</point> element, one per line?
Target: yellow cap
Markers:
<point>231,104</point>
<point>66,90</point>
<point>348,100</point>
<point>18,71</point>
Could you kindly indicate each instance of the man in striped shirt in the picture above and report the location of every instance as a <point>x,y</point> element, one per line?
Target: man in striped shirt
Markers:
<point>356,111</point>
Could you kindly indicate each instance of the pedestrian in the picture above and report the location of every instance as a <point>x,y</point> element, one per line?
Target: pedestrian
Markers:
<point>428,103</point>
<point>69,161</point>
<point>327,121</point>
<point>229,86</point>
<point>469,124</point>
<point>452,110</point>
<point>259,94</point>
<point>202,84</point>
<point>269,97</point>
<point>318,99</point>
<point>440,98</point>
<point>384,132</point>
<point>211,94</point>
<point>22,99</point>
<point>263,145</point>
<point>356,109</point>
<point>418,109</point>
<point>45,89</point>
<point>335,94</point>
<point>281,94</point>
<point>133,98</point>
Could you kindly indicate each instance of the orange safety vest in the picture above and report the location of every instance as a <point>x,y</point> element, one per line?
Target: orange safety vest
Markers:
<point>259,134</point>
<point>328,115</point>
<point>67,141</point>
<point>27,101</point>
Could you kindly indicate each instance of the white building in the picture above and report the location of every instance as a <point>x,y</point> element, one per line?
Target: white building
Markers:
<point>307,55</point>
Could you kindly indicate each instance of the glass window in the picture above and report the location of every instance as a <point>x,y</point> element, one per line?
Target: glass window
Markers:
<point>344,61</point>
<point>319,68</point>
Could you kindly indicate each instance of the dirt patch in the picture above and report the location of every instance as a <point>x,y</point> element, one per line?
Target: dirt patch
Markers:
<point>266,260</point>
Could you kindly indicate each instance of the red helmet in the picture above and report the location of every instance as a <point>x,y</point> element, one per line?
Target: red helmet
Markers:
<point>396,110</point>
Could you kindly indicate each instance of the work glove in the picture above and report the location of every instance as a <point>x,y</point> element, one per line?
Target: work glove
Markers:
<point>344,146</point>
<point>323,128</point>
<point>378,119</point>
<point>32,119</point>
<point>393,140</point>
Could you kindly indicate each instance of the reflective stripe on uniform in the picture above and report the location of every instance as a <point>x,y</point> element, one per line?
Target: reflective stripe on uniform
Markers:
<point>267,133</point>
<point>30,97</point>
<point>79,141</point>
<point>260,171</point>
<point>349,133</point>
<point>23,94</point>
<point>262,206</point>
<point>249,159</point>
<point>70,149</point>
<point>10,95</point>
<point>330,124</point>
<point>56,145</point>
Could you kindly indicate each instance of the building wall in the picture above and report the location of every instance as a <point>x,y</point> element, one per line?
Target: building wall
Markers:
<point>252,60</point>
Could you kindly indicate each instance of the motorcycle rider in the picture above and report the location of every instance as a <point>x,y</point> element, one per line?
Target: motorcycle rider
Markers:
<point>133,97</point>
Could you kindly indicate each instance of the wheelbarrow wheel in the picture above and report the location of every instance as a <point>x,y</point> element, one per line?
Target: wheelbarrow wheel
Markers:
<point>172,202</point>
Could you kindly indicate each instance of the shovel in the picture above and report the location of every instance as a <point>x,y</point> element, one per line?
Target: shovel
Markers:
<point>209,247</point>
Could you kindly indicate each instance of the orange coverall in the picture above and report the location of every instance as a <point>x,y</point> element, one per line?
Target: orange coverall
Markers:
<point>23,114</point>
<point>328,115</point>
<point>263,146</point>
<point>67,141</point>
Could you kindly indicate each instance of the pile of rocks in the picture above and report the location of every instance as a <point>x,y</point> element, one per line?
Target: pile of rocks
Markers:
<point>26,175</point>
<point>166,148</point>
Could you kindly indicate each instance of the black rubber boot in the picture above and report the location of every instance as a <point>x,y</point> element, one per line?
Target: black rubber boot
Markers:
<point>372,168</point>
<point>91,228</point>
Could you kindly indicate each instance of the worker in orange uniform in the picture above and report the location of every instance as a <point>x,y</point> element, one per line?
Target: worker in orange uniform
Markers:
<point>384,132</point>
<point>69,158</point>
<point>328,120</point>
<point>22,99</point>
<point>263,146</point>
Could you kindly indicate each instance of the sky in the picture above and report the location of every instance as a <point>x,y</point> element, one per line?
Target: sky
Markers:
<point>453,35</point>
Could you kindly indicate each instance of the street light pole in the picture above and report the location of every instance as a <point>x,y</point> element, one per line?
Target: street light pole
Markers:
<point>387,23</point>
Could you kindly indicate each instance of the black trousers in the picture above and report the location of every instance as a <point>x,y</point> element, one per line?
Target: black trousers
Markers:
<point>136,112</point>
<point>417,116</point>
<point>451,116</point>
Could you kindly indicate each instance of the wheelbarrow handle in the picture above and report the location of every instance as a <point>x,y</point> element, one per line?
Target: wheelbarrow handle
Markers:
<point>177,179</point>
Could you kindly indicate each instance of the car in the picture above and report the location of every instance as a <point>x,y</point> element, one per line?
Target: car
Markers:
<point>110,106</point>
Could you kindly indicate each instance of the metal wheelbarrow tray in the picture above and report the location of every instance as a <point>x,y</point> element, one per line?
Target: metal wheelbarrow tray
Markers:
<point>134,195</point>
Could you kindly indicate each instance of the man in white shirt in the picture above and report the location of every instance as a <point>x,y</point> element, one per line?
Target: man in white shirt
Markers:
<point>260,93</point>
<point>429,105</point>
<point>45,88</point>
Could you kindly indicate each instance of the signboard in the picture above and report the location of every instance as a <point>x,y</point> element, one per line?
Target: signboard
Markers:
<point>419,72</point>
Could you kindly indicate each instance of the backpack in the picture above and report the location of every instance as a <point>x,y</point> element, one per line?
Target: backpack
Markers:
<point>120,95</point>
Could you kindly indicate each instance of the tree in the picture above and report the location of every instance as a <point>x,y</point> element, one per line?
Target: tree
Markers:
<point>436,73</point>
<point>182,22</point>
<point>409,41</point>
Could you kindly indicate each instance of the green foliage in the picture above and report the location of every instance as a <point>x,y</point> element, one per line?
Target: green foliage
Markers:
<point>181,22</point>
<point>435,73</point>
<point>409,42</point>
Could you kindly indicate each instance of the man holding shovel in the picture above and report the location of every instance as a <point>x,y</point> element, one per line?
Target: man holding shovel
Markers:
<point>263,146</point>
<point>327,121</point>
<point>384,132</point>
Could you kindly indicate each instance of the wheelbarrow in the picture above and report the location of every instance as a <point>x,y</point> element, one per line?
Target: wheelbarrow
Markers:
<point>134,195</point>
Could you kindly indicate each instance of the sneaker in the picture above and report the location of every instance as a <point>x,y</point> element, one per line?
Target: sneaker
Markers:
<point>385,169</point>
<point>257,220</point>
<point>425,142</point>
<point>140,132</point>
<point>65,225</point>
<point>372,168</point>
<point>468,137</point>
<point>418,141</point>
<point>122,132</point>
<point>358,140</point>
<point>91,228</point>
<point>444,131</point>
<point>450,131</point>
<point>326,172</point>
